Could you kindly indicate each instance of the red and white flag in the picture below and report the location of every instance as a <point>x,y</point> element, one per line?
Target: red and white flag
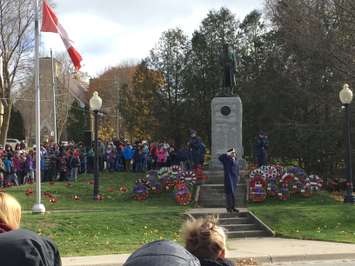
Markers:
<point>50,23</point>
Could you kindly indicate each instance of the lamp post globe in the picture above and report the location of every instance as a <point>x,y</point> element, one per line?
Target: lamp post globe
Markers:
<point>95,106</point>
<point>346,97</point>
<point>95,102</point>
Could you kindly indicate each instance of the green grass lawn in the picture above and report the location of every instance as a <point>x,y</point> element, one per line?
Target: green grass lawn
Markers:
<point>117,224</point>
<point>319,217</point>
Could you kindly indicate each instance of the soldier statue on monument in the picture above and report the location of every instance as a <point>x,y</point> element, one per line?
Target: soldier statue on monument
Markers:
<point>229,69</point>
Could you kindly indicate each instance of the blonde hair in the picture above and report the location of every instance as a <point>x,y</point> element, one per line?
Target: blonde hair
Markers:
<point>204,238</point>
<point>10,211</point>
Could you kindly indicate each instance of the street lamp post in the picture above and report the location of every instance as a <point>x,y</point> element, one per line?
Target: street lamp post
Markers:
<point>346,97</point>
<point>95,106</point>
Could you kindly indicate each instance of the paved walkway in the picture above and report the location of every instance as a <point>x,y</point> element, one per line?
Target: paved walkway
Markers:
<point>263,250</point>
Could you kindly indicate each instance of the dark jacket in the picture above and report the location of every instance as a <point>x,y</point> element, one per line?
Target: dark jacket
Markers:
<point>231,173</point>
<point>23,247</point>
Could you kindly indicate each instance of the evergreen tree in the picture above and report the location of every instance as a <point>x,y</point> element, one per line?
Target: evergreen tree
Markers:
<point>169,59</point>
<point>16,129</point>
<point>77,122</point>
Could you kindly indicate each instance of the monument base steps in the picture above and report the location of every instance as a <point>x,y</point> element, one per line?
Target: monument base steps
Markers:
<point>211,193</point>
<point>239,225</point>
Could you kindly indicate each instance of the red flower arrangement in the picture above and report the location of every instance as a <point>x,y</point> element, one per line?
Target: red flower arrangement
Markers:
<point>182,195</point>
<point>284,182</point>
<point>76,197</point>
<point>8,184</point>
<point>284,193</point>
<point>141,196</point>
<point>48,194</point>
<point>257,188</point>
<point>183,199</point>
<point>307,189</point>
<point>53,200</point>
<point>123,189</point>
<point>180,184</point>
<point>99,197</point>
<point>200,176</point>
<point>168,184</point>
<point>189,176</point>
<point>28,191</point>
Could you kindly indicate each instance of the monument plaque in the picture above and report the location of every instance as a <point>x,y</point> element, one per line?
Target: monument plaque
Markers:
<point>226,127</point>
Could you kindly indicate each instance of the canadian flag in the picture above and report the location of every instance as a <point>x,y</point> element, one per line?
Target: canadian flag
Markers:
<point>50,23</point>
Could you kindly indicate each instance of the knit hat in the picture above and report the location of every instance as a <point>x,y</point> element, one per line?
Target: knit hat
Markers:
<point>231,150</point>
<point>162,253</point>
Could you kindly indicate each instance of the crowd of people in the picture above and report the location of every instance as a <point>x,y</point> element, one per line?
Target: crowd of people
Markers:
<point>65,162</point>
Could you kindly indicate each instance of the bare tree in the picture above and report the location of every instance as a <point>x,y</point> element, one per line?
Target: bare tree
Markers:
<point>16,43</point>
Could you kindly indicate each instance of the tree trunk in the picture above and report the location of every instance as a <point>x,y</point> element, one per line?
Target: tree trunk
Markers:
<point>5,123</point>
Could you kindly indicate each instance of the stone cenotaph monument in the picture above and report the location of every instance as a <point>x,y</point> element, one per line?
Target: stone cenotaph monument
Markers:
<point>227,115</point>
<point>226,127</point>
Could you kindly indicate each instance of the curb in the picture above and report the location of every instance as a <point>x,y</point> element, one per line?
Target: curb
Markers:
<point>262,224</point>
<point>294,258</point>
<point>118,261</point>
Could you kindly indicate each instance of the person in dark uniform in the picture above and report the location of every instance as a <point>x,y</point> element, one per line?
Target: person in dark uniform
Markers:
<point>197,150</point>
<point>231,177</point>
<point>261,147</point>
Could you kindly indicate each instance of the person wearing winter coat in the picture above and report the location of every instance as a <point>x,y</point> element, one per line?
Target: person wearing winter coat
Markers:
<point>62,166</point>
<point>74,163</point>
<point>197,150</point>
<point>10,175</point>
<point>19,246</point>
<point>128,154</point>
<point>29,166</point>
<point>153,155</point>
<point>162,157</point>
<point>231,177</point>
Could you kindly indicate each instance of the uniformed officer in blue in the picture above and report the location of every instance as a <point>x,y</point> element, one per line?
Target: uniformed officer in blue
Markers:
<point>231,177</point>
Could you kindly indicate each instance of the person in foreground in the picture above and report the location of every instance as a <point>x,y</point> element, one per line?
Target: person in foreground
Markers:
<point>162,253</point>
<point>207,241</point>
<point>19,246</point>
<point>231,177</point>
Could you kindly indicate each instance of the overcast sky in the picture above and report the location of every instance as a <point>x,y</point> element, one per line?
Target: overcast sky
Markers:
<point>109,32</point>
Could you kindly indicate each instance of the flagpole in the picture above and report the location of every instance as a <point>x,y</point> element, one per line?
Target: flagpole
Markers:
<point>54,101</point>
<point>38,207</point>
